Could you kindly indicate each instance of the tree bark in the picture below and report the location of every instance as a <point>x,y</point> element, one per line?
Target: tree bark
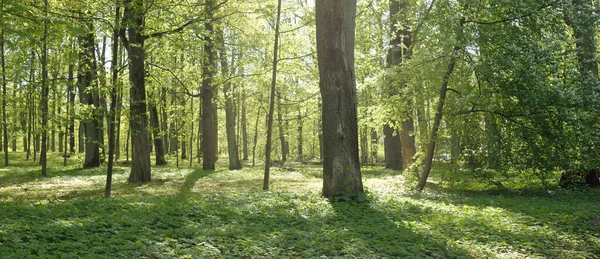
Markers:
<point>45,92</point>
<point>230,114</point>
<point>272,102</point>
<point>112,115</point>
<point>299,138</point>
<point>285,147</point>
<point>4,123</point>
<point>209,110</point>
<point>392,148</point>
<point>133,18</point>
<point>159,149</point>
<point>335,21</point>
<point>244,123</point>
<point>88,95</point>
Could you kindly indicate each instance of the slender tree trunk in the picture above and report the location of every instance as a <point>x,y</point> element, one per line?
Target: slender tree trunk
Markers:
<point>336,21</point>
<point>230,114</point>
<point>45,92</point>
<point>133,18</point>
<point>4,123</point>
<point>272,102</point>
<point>30,105</point>
<point>255,139</point>
<point>112,118</point>
<point>244,122</point>
<point>71,103</point>
<point>300,139</point>
<point>209,111</point>
<point>436,122</point>
<point>285,149</point>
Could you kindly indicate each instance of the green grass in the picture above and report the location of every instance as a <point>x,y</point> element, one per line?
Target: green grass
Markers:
<point>190,213</point>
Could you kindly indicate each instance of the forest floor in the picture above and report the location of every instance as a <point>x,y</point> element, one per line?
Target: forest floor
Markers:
<point>190,213</point>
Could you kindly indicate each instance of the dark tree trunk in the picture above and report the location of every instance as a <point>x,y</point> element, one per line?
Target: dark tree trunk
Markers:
<point>335,21</point>
<point>133,18</point>
<point>112,119</point>
<point>71,103</point>
<point>230,114</point>
<point>45,92</point>
<point>159,149</point>
<point>209,110</point>
<point>392,148</point>
<point>374,142</point>
<point>4,123</point>
<point>88,95</point>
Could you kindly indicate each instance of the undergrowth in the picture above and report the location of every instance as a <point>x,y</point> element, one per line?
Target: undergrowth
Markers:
<point>190,213</point>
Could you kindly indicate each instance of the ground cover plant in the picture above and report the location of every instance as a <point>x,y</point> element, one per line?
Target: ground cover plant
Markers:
<point>191,213</point>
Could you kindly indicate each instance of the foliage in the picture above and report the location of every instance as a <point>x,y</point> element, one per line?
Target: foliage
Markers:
<point>189,213</point>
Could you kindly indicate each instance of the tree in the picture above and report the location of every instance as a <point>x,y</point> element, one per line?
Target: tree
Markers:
<point>4,124</point>
<point>88,95</point>
<point>44,101</point>
<point>133,19</point>
<point>112,115</point>
<point>335,21</point>
<point>272,101</point>
<point>230,114</point>
<point>209,109</point>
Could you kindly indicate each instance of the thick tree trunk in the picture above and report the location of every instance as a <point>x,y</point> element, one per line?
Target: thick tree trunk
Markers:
<point>392,148</point>
<point>88,95</point>
<point>230,114</point>
<point>335,21</point>
<point>133,18</point>
<point>209,109</point>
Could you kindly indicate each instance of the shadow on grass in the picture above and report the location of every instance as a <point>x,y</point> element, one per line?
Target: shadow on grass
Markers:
<point>564,220</point>
<point>192,178</point>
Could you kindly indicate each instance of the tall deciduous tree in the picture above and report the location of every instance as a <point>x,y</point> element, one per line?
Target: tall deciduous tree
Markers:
<point>272,102</point>
<point>230,113</point>
<point>44,101</point>
<point>209,109</point>
<point>133,21</point>
<point>88,95</point>
<point>4,124</point>
<point>335,21</point>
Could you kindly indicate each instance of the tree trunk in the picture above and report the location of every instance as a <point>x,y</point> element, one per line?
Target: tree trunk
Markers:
<point>244,123</point>
<point>71,103</point>
<point>299,139</point>
<point>272,102</point>
<point>112,118</point>
<point>209,110</point>
<point>436,122</point>
<point>230,114</point>
<point>4,123</point>
<point>45,92</point>
<point>133,18</point>
<point>374,142</point>
<point>392,148</point>
<point>335,21</point>
<point>282,139</point>
<point>159,149</point>
<point>255,139</point>
<point>88,95</point>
